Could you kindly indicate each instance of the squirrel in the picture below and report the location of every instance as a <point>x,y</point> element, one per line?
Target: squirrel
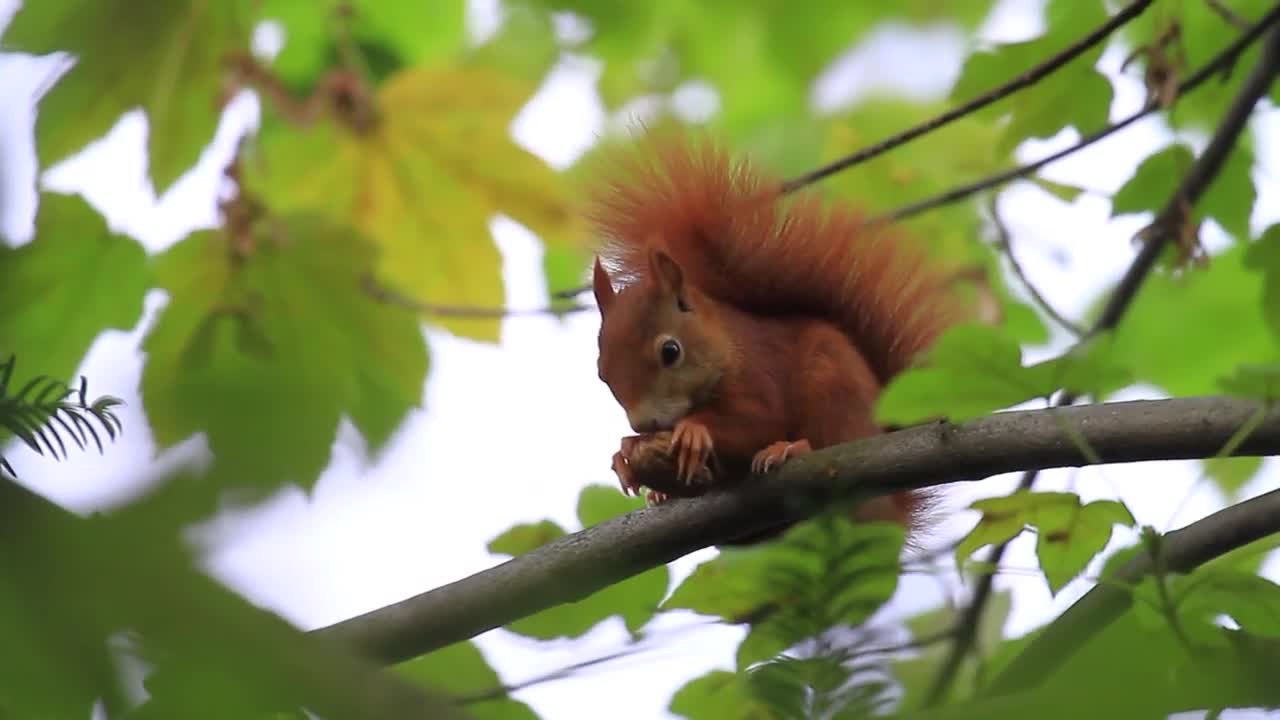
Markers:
<point>740,328</point>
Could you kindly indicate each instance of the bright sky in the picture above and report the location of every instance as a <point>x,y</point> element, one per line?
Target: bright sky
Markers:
<point>378,530</point>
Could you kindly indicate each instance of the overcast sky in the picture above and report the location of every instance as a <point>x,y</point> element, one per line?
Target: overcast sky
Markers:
<point>377,530</point>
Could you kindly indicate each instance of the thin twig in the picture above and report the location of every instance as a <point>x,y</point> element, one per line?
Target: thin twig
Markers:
<point>1030,77</point>
<point>1005,245</point>
<point>1231,17</point>
<point>387,295</point>
<point>503,691</point>
<point>1222,61</point>
<point>1161,231</point>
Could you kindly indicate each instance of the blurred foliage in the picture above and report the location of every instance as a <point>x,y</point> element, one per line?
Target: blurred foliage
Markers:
<point>362,209</point>
<point>973,370</point>
<point>233,336</point>
<point>462,670</point>
<point>181,44</point>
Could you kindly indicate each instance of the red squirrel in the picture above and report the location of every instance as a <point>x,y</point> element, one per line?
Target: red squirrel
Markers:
<point>741,327</point>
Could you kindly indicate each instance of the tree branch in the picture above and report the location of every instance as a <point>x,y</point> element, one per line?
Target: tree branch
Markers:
<point>1026,79</point>
<point>1165,227</point>
<point>580,564</point>
<point>384,294</point>
<point>1222,61</point>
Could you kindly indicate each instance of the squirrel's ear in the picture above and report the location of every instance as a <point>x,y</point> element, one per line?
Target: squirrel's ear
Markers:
<point>602,286</point>
<point>668,273</point>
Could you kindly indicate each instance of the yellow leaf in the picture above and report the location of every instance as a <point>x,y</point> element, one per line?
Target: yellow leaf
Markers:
<point>423,183</point>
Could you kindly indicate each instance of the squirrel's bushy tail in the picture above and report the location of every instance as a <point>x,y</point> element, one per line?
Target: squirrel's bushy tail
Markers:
<point>742,242</point>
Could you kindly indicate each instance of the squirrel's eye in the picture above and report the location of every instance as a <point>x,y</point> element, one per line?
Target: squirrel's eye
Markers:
<point>670,352</point>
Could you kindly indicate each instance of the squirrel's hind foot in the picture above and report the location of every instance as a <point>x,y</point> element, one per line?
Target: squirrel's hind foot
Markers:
<point>778,453</point>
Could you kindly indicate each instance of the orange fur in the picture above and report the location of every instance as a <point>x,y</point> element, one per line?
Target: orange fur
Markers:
<point>791,314</point>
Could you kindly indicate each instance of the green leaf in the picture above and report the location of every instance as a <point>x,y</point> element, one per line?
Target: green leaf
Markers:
<point>761,58</point>
<point>729,586</point>
<point>1252,601</point>
<point>60,291</point>
<point>1248,558</point>
<point>1076,95</point>
<point>423,184</point>
<point>718,695</point>
<point>1070,534</point>
<point>265,354</point>
<point>1263,256</point>
<point>524,46</point>
<point>58,662</point>
<point>1070,537</point>
<point>635,599</point>
<point>1229,198</point>
<point>461,670</point>
<point>1003,518</point>
<point>520,539</point>
<point>1174,336</point>
<point>972,370</point>
<point>1203,33</point>
<point>597,503</point>
<point>1256,382</point>
<point>1092,368</point>
<point>1063,191</point>
<point>1131,671</point>
<point>167,59</point>
<point>412,32</point>
<point>821,573</point>
<point>1231,474</point>
<point>916,674</point>
<point>965,148</point>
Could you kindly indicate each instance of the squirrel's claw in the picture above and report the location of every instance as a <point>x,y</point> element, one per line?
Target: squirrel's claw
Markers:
<point>777,453</point>
<point>691,444</point>
<point>656,498</point>
<point>626,478</point>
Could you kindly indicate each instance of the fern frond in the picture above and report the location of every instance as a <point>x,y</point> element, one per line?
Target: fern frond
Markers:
<point>45,411</point>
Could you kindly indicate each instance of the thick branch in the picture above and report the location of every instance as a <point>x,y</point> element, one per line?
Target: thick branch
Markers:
<point>1026,79</point>
<point>577,565</point>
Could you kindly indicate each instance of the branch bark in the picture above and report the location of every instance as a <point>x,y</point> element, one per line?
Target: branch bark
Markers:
<point>577,565</point>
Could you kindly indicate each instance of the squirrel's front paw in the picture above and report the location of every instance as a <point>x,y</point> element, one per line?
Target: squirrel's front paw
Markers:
<point>691,445</point>
<point>622,465</point>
